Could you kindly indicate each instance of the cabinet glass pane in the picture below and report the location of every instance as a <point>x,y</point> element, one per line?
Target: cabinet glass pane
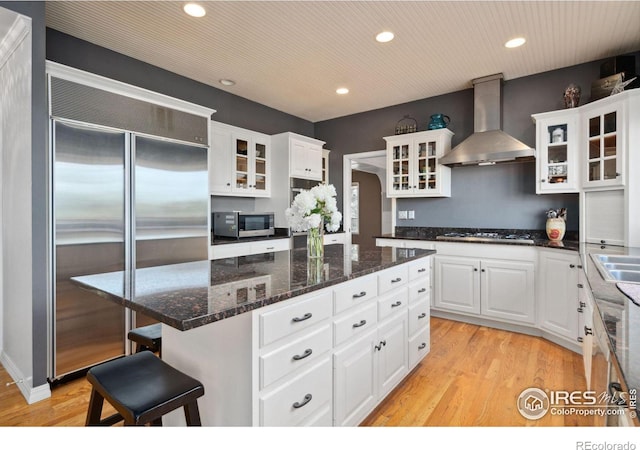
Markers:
<point>557,134</point>
<point>422,149</point>
<point>261,151</point>
<point>557,173</point>
<point>610,122</point>
<point>432,149</point>
<point>241,164</point>
<point>432,164</point>
<point>241,147</point>
<point>557,153</point>
<point>422,166</point>
<point>241,180</point>
<point>422,182</point>
<point>261,167</point>
<point>610,169</point>
<point>261,182</point>
<point>594,126</point>
<point>610,146</point>
<point>594,148</point>
<point>405,152</point>
<point>594,171</point>
<point>432,181</point>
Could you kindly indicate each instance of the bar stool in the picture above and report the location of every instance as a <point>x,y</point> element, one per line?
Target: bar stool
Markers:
<point>147,338</point>
<point>142,388</point>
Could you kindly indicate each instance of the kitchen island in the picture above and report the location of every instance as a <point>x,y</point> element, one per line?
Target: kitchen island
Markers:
<point>277,340</point>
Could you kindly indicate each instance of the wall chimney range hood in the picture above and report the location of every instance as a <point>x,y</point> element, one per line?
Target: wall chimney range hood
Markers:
<point>488,144</point>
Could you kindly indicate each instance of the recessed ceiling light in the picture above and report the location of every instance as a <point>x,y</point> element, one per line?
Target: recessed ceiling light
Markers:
<point>227,82</point>
<point>513,43</point>
<point>385,36</point>
<point>342,91</point>
<point>194,10</point>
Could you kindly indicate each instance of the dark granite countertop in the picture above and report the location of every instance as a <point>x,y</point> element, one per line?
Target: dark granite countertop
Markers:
<point>621,317</point>
<point>190,295</point>
<point>539,237</point>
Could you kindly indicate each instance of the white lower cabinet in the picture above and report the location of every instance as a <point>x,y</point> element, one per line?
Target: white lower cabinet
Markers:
<point>497,289</point>
<point>365,371</point>
<point>329,357</point>
<point>558,285</point>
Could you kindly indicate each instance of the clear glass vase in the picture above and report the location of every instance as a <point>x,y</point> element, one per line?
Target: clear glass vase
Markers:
<point>315,242</point>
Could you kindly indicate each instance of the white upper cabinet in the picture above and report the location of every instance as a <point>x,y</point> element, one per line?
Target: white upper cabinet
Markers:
<point>557,168</point>
<point>604,142</point>
<point>239,162</point>
<point>305,154</point>
<point>412,164</point>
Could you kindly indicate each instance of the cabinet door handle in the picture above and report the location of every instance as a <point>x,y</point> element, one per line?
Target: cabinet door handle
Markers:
<point>475,269</point>
<point>360,324</point>
<point>573,266</point>
<point>543,181</point>
<point>579,266</point>
<point>421,346</point>
<point>582,304</point>
<point>422,270</point>
<point>303,318</point>
<point>420,291</point>
<point>270,248</point>
<point>307,399</point>
<point>422,316</point>
<point>580,286</point>
<point>580,310</point>
<point>396,280</point>
<point>396,304</point>
<point>588,331</point>
<point>360,295</point>
<point>579,339</point>
<point>482,270</point>
<point>306,353</point>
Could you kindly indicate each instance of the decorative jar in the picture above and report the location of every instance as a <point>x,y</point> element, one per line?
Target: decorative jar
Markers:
<point>555,228</point>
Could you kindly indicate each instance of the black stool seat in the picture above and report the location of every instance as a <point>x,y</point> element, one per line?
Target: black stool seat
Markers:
<point>147,338</point>
<point>142,388</point>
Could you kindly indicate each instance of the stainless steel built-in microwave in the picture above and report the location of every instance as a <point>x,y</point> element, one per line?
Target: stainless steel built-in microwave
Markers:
<point>238,224</point>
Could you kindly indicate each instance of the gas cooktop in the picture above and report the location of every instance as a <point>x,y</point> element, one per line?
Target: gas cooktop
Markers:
<point>487,237</point>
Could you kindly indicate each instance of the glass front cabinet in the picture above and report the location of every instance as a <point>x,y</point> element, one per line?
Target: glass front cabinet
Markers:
<point>557,152</point>
<point>412,164</point>
<point>239,162</point>
<point>604,139</point>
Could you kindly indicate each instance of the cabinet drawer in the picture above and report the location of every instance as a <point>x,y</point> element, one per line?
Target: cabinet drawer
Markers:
<point>418,316</point>
<point>294,317</point>
<point>355,323</point>
<point>393,302</point>
<point>419,268</point>
<point>273,245</point>
<point>419,290</point>
<point>285,359</point>
<point>297,399</point>
<point>354,292</point>
<point>392,278</point>
<point>419,347</point>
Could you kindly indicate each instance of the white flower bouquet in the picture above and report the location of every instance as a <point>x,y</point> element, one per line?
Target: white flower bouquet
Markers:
<point>313,211</point>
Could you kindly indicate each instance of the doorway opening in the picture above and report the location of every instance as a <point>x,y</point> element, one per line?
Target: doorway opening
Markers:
<point>366,208</point>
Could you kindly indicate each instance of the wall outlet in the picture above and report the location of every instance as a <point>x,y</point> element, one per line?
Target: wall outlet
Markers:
<point>402,214</point>
<point>412,214</point>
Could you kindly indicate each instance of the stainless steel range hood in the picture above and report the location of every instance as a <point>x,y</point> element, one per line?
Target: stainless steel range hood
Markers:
<point>488,144</point>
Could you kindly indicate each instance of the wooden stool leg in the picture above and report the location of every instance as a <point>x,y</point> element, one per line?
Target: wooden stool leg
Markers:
<point>95,408</point>
<point>192,414</point>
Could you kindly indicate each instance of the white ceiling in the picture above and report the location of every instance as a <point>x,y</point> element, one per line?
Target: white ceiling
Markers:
<point>292,55</point>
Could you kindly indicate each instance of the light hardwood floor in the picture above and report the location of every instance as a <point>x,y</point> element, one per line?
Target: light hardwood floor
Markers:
<point>472,377</point>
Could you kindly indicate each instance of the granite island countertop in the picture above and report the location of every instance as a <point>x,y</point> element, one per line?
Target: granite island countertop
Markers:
<point>189,295</point>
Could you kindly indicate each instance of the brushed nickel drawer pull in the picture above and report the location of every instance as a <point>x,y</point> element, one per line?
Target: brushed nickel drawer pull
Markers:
<point>360,324</point>
<point>306,353</point>
<point>396,280</point>
<point>422,270</point>
<point>421,346</point>
<point>307,399</point>
<point>361,294</point>
<point>303,318</point>
<point>422,316</point>
<point>396,304</point>
<point>420,291</point>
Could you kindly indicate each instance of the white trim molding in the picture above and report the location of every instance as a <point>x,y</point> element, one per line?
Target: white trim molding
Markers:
<point>19,30</point>
<point>117,87</point>
<point>31,394</point>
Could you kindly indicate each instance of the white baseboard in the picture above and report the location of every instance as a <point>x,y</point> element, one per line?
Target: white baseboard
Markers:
<point>30,393</point>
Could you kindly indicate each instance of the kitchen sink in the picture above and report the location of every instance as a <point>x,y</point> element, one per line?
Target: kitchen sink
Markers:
<point>617,268</point>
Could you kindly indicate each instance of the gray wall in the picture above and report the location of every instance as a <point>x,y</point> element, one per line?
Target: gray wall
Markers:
<point>476,191</point>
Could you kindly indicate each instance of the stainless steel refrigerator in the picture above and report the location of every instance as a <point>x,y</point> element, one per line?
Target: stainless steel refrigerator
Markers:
<point>120,200</point>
